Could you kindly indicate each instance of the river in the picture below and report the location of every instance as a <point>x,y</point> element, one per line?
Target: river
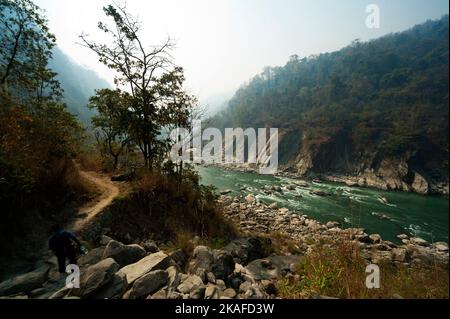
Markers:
<point>387,213</point>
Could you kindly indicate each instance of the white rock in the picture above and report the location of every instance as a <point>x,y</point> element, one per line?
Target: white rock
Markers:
<point>149,263</point>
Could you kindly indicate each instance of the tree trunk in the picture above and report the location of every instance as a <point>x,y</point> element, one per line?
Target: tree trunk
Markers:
<point>12,58</point>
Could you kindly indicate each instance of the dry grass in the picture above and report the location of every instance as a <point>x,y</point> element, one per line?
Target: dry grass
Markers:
<point>284,244</point>
<point>161,208</point>
<point>90,161</point>
<point>339,271</point>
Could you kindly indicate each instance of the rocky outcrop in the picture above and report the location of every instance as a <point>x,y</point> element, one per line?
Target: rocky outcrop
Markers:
<point>114,289</point>
<point>123,254</point>
<point>144,266</point>
<point>420,184</point>
<point>213,274</point>
<point>147,284</point>
<point>409,172</point>
<point>202,259</point>
<point>96,277</point>
<point>223,265</point>
<point>272,267</point>
<point>244,250</point>
<point>25,283</point>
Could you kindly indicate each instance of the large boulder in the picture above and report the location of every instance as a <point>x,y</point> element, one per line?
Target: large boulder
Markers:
<point>441,246</point>
<point>49,288</point>
<point>62,293</point>
<point>104,240</point>
<point>124,254</point>
<point>375,238</point>
<point>399,255</point>
<point>147,284</point>
<point>150,246</point>
<point>223,264</point>
<point>229,293</point>
<point>161,294</point>
<point>203,258</point>
<point>420,184</point>
<point>25,283</point>
<point>174,277</point>
<point>179,257</point>
<point>273,267</point>
<point>190,284</point>
<point>96,276</point>
<point>211,292</point>
<point>419,241</point>
<point>197,293</point>
<point>92,257</point>
<point>114,289</point>
<point>250,199</point>
<point>244,250</point>
<point>148,264</point>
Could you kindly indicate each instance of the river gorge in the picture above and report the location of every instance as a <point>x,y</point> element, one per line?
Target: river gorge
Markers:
<point>388,213</point>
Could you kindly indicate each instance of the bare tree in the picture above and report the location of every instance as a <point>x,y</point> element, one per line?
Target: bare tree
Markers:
<point>151,77</point>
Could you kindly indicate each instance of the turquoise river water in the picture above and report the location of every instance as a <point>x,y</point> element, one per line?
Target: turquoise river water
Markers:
<point>383,212</point>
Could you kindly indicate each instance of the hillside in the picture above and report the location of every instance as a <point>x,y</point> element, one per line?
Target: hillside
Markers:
<point>373,114</point>
<point>79,84</point>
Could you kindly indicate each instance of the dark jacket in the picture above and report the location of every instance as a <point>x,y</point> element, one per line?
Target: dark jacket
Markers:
<point>64,243</point>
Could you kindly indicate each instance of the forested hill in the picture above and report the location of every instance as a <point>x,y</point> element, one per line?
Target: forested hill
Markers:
<point>376,112</point>
<point>79,84</point>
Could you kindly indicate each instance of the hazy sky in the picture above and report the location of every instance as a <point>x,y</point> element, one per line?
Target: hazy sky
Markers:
<point>223,43</point>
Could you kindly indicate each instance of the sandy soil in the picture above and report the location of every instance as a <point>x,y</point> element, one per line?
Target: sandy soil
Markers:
<point>108,190</point>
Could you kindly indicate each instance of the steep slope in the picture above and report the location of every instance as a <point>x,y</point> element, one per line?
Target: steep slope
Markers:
<point>373,114</point>
<point>78,83</point>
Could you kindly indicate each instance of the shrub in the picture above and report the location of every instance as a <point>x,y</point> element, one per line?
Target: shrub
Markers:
<point>338,270</point>
<point>165,208</point>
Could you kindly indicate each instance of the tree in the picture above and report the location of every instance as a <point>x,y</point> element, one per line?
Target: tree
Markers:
<point>111,122</point>
<point>25,48</point>
<point>371,100</point>
<point>149,75</point>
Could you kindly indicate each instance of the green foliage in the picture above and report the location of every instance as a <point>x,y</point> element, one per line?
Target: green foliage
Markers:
<point>26,46</point>
<point>112,122</point>
<point>386,96</point>
<point>156,99</point>
<point>38,137</point>
<point>162,207</point>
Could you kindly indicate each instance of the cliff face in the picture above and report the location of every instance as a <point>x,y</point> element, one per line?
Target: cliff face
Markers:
<point>372,114</point>
<point>424,171</point>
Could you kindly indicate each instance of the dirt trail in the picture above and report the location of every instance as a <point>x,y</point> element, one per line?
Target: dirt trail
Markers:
<point>108,190</point>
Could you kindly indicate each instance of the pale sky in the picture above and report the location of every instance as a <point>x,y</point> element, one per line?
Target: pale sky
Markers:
<point>223,43</point>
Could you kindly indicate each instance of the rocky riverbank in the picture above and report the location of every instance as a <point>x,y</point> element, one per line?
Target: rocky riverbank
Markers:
<point>117,271</point>
<point>257,217</point>
<point>247,267</point>
<point>386,180</point>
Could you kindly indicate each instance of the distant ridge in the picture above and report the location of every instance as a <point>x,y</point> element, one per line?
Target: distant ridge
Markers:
<point>78,82</point>
<point>374,113</point>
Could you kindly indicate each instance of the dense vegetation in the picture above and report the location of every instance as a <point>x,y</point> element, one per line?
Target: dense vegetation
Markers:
<point>38,136</point>
<point>166,199</point>
<point>40,140</point>
<point>386,97</point>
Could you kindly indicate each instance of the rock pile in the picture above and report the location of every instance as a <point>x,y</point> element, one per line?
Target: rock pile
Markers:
<point>256,217</point>
<point>114,270</point>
